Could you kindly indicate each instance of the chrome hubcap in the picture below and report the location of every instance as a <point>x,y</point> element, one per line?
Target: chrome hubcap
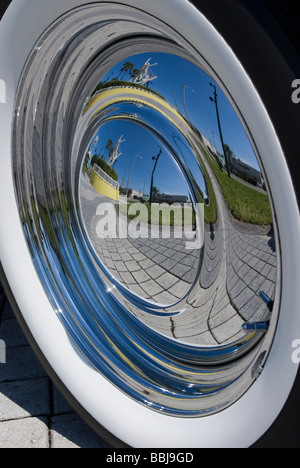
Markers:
<point>147,210</point>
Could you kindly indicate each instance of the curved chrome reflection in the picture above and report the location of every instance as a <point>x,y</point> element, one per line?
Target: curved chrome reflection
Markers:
<point>145,209</point>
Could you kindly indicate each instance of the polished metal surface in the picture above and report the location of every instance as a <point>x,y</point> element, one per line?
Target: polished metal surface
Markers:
<point>146,209</point>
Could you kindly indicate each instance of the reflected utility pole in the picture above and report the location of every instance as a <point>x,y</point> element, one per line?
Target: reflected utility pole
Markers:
<point>136,156</point>
<point>215,100</point>
<point>152,176</point>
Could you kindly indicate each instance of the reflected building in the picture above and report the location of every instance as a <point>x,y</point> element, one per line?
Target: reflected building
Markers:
<point>167,198</point>
<point>246,172</point>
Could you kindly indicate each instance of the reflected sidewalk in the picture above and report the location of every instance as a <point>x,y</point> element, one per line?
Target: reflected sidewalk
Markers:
<point>234,268</point>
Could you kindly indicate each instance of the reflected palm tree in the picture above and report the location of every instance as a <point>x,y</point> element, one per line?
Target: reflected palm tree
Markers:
<point>155,192</point>
<point>127,67</point>
<point>109,147</point>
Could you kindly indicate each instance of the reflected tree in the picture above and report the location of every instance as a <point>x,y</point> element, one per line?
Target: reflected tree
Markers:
<point>109,147</point>
<point>127,67</point>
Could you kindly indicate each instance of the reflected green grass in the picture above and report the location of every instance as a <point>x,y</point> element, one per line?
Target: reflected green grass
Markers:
<point>244,203</point>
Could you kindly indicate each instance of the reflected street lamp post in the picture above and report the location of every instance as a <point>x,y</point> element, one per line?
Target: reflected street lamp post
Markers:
<point>152,176</point>
<point>136,156</point>
<point>215,100</point>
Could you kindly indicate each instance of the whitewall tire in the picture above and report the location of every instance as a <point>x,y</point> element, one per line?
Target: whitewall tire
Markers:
<point>95,395</point>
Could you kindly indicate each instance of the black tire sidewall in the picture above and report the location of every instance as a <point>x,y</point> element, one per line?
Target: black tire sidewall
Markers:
<point>271,60</point>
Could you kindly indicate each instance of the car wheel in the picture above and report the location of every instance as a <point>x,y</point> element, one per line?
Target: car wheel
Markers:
<point>177,314</point>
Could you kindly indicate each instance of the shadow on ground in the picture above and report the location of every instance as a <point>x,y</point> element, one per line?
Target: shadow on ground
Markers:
<point>33,414</point>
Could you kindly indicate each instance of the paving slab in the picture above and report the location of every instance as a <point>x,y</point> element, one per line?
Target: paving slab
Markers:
<point>22,399</point>
<point>68,431</point>
<point>33,413</point>
<point>24,433</point>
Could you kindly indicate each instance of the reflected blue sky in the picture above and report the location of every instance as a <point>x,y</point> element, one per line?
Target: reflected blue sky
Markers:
<point>186,88</point>
<point>168,177</point>
<point>180,80</point>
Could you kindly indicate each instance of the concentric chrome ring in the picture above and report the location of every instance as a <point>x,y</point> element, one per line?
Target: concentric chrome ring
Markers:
<point>181,353</point>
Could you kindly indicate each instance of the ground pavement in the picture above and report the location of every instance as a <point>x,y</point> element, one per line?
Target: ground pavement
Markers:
<point>32,412</point>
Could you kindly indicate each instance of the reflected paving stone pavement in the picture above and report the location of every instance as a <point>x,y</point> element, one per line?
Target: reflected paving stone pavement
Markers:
<point>239,261</point>
<point>33,414</point>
